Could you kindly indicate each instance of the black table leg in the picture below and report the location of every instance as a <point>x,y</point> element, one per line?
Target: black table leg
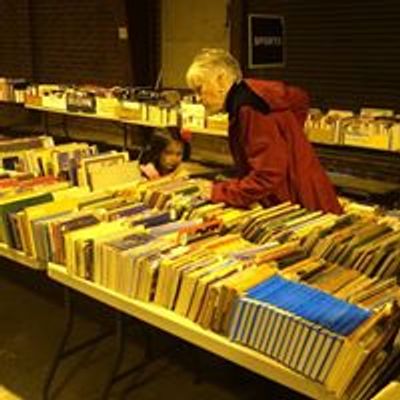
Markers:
<point>62,350</point>
<point>118,356</point>
<point>61,347</point>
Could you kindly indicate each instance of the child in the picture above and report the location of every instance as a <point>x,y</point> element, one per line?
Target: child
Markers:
<point>164,154</point>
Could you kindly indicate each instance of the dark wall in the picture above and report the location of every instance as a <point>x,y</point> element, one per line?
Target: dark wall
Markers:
<point>346,53</point>
<point>77,41</point>
<point>144,21</point>
<point>15,42</point>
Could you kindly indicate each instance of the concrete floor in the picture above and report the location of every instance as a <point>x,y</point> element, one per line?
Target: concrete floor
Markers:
<point>31,324</point>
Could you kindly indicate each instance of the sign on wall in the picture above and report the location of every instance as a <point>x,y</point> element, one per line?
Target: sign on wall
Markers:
<point>265,41</point>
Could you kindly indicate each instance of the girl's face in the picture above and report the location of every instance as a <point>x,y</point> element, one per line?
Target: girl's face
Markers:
<point>171,157</point>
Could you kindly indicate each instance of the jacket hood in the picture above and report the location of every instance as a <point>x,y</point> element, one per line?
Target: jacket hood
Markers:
<point>281,97</point>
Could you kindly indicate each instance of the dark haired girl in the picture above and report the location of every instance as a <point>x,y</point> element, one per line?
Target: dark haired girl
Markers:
<point>164,154</point>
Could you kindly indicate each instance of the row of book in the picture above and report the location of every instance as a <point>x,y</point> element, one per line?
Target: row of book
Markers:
<point>10,145</point>
<point>163,107</point>
<point>372,128</point>
<point>12,90</point>
<point>79,163</point>
<point>205,280</point>
<point>160,242</point>
<point>369,244</point>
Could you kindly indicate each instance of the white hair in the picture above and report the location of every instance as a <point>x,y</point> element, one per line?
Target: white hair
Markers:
<point>209,62</point>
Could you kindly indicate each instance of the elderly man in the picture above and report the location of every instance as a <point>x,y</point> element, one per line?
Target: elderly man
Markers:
<point>275,161</point>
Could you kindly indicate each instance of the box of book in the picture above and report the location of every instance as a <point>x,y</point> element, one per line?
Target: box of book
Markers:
<point>218,122</point>
<point>56,100</point>
<point>366,132</point>
<point>157,115</point>
<point>395,136</point>
<point>133,110</point>
<point>33,100</point>
<point>81,101</point>
<point>326,128</point>
<point>107,106</point>
<point>193,115</point>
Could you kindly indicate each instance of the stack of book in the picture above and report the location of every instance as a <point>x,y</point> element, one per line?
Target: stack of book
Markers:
<point>12,148</point>
<point>367,244</point>
<point>283,222</point>
<point>371,128</point>
<point>61,161</point>
<point>161,193</point>
<point>73,211</point>
<point>10,145</point>
<point>317,292</point>
<point>80,164</point>
<point>314,333</point>
<point>23,194</point>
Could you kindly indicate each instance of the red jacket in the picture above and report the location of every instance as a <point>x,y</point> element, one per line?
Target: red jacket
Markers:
<point>276,162</point>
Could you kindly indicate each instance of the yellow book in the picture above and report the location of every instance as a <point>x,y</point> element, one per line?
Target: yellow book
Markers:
<point>74,243</point>
<point>43,210</point>
<point>237,285</point>
<point>168,262</point>
<point>202,285</point>
<point>173,276</point>
<point>189,282</point>
<point>101,247</point>
<point>390,392</point>
<point>90,163</point>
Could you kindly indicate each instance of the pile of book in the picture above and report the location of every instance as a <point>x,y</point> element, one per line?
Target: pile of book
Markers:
<point>20,195</point>
<point>79,163</point>
<point>61,161</point>
<point>316,292</point>
<point>223,282</point>
<point>283,222</point>
<point>48,217</point>
<point>12,90</point>
<point>12,148</point>
<point>372,128</point>
<point>367,244</point>
<point>316,334</point>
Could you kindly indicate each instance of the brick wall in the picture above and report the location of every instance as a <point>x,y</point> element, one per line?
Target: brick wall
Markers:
<point>67,41</point>
<point>15,42</point>
<point>344,52</point>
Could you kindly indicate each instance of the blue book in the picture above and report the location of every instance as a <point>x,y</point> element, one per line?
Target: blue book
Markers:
<point>272,282</point>
<point>310,303</point>
<point>355,317</point>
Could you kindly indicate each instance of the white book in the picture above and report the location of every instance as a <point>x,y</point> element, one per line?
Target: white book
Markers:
<point>307,348</point>
<point>257,325</point>
<point>283,340</point>
<point>265,323</point>
<point>234,323</point>
<point>289,336</point>
<point>274,336</point>
<point>249,327</point>
<point>293,338</point>
<point>322,355</point>
<point>328,364</point>
<point>315,352</point>
<point>244,320</point>
<point>269,329</point>
<point>297,351</point>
